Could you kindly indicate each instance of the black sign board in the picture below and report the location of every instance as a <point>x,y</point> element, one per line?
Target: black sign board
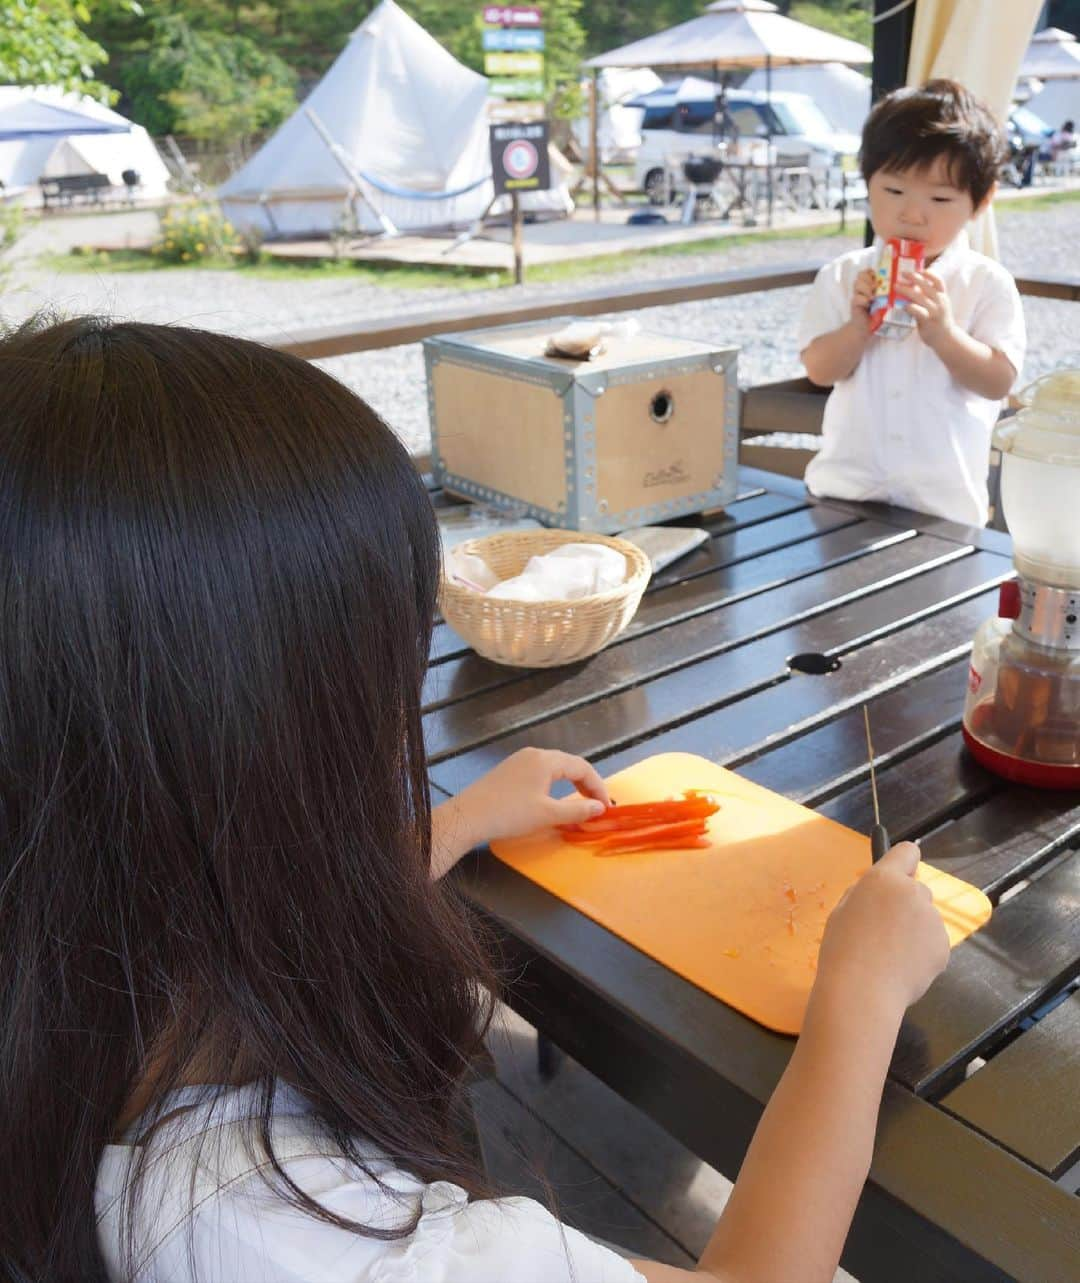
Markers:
<point>519,157</point>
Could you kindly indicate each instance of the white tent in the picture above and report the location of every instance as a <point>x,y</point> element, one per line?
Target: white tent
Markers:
<point>411,125</point>
<point>735,33</point>
<point>618,125</point>
<point>1054,58</point>
<point>1052,55</point>
<point>841,92</point>
<point>72,134</point>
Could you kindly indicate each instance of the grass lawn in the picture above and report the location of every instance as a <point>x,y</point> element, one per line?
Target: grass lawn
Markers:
<point>419,276</point>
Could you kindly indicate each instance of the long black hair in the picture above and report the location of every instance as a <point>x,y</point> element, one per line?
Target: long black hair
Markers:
<point>218,573</point>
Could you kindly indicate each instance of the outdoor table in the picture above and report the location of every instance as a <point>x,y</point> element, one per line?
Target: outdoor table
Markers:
<point>975,1176</point>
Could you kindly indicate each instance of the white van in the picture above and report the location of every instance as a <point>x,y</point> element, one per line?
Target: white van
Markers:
<point>680,120</point>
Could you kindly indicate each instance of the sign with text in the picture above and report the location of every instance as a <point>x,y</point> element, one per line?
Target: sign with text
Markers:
<point>515,111</point>
<point>497,15</point>
<point>514,64</point>
<point>512,39</point>
<point>519,88</point>
<point>519,157</point>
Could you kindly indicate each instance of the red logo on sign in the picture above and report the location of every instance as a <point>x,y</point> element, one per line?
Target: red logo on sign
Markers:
<point>520,159</point>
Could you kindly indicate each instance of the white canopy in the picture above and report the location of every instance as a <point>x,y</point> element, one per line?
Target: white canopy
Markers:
<point>410,120</point>
<point>1057,102</point>
<point>736,33</point>
<point>842,93</point>
<point>101,141</point>
<point>1052,55</point>
<point>618,125</point>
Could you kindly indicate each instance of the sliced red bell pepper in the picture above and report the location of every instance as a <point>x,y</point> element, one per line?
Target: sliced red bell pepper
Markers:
<point>695,843</point>
<point>656,834</point>
<point>640,814</point>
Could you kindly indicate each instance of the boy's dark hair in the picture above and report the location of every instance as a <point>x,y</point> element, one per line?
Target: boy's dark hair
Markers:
<point>911,128</point>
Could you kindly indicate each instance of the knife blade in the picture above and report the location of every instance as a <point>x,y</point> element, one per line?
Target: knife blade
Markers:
<point>879,834</point>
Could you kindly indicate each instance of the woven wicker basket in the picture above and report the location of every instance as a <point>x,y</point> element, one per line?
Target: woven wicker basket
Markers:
<point>541,634</point>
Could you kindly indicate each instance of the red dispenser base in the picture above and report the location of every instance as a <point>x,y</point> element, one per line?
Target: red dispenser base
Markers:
<point>1021,770</point>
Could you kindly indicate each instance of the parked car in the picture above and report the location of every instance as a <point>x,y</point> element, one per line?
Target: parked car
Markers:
<point>681,120</point>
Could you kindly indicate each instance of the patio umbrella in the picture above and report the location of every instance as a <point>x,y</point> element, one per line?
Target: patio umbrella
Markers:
<point>979,44</point>
<point>736,35</point>
<point>1052,55</point>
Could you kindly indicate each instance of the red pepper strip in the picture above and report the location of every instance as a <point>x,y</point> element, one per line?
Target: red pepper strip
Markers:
<point>616,836</point>
<point>675,844</point>
<point>654,833</point>
<point>644,832</point>
<point>635,815</point>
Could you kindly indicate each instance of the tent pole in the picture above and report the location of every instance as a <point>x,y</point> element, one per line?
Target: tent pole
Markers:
<point>338,153</point>
<point>892,44</point>
<point>519,250</point>
<point>181,163</point>
<point>594,142</point>
<point>768,136</point>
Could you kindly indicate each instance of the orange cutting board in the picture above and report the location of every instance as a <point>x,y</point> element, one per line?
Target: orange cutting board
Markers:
<point>743,917</point>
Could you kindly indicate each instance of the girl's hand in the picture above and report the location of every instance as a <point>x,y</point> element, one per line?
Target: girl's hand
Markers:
<point>929,305</point>
<point>885,938</point>
<point>862,296</point>
<point>514,799</point>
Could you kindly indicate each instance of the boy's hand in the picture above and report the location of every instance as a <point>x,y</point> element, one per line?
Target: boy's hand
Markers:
<point>862,296</point>
<point>885,938</point>
<point>515,798</point>
<point>929,305</point>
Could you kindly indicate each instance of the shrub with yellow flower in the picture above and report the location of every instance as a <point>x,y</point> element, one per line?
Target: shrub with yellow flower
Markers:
<point>192,233</point>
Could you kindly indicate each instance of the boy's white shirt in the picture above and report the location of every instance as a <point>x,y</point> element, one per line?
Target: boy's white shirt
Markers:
<point>900,428</point>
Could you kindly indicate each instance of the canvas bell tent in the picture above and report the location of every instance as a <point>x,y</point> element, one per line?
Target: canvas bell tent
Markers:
<point>394,136</point>
<point>45,133</point>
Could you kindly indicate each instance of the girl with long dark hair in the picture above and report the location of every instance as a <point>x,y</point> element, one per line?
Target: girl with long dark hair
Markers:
<point>236,1002</point>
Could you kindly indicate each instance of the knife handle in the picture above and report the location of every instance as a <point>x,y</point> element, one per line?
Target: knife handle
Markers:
<point>879,842</point>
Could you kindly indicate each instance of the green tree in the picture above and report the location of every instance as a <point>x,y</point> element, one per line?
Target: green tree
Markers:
<point>229,89</point>
<point>41,43</point>
<point>850,18</point>
<point>212,85</point>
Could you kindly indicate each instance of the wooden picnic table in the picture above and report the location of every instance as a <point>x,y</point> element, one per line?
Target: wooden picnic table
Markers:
<point>975,1175</point>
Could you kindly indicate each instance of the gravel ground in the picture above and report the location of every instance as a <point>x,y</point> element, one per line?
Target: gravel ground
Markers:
<point>762,325</point>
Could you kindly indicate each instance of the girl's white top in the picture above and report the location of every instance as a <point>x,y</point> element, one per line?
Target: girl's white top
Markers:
<point>207,1213</point>
<point>900,429</point>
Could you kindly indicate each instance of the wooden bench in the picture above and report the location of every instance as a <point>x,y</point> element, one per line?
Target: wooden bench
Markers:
<point>67,188</point>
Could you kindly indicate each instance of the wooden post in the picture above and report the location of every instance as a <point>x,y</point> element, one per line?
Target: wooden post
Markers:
<point>594,142</point>
<point>519,263</point>
<point>768,138</point>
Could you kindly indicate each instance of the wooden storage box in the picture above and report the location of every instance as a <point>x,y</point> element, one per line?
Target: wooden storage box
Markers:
<point>642,433</point>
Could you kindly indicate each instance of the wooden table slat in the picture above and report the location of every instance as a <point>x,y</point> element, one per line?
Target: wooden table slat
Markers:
<point>833,757</point>
<point>917,793</point>
<point>465,675</point>
<point>649,708</point>
<point>541,694</point>
<point>788,708</point>
<point>1008,837</point>
<point>1029,950</point>
<point>1028,1097</point>
<point>734,543</point>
